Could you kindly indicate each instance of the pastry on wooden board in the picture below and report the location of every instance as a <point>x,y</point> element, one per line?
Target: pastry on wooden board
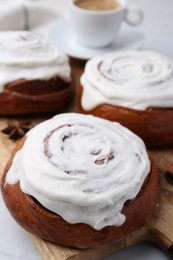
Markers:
<point>134,88</point>
<point>35,75</point>
<point>81,181</point>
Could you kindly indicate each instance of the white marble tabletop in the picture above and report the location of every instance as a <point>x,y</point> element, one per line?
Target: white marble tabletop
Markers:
<point>157,27</point>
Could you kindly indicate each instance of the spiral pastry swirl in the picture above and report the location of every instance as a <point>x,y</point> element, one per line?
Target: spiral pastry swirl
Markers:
<point>132,79</point>
<point>27,55</point>
<point>81,167</point>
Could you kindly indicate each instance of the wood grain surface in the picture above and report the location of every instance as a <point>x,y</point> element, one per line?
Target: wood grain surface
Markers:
<point>158,230</point>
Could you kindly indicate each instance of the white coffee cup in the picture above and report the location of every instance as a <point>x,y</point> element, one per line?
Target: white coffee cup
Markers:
<point>100,28</point>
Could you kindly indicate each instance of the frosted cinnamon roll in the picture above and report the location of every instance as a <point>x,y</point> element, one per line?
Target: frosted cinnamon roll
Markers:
<point>35,75</point>
<point>83,175</point>
<point>134,88</point>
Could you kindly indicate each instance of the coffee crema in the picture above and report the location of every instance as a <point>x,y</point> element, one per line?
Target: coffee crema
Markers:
<point>98,5</point>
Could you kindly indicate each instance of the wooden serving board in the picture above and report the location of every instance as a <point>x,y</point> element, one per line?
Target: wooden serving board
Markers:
<point>158,230</point>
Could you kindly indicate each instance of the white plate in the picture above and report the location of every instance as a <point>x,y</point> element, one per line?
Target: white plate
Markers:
<point>61,34</point>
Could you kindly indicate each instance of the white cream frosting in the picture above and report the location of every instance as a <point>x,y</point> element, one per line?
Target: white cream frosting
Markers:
<point>132,79</point>
<point>81,167</point>
<point>26,55</point>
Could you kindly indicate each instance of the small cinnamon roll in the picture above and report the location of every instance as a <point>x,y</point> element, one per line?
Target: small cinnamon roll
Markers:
<point>35,75</point>
<point>134,88</point>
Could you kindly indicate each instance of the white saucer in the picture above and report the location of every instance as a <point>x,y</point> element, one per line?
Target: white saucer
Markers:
<point>160,43</point>
<point>61,34</point>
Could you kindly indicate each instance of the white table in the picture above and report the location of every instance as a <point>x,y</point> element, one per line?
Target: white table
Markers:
<point>15,243</point>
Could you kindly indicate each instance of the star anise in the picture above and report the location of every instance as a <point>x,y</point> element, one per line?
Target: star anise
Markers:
<point>169,177</point>
<point>16,130</point>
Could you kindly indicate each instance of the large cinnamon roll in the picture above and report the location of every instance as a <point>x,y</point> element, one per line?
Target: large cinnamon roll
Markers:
<point>81,181</point>
<point>35,75</point>
<point>134,88</point>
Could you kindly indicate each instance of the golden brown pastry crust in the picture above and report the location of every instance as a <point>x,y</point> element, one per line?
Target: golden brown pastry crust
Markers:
<point>37,96</point>
<point>154,125</point>
<point>45,224</point>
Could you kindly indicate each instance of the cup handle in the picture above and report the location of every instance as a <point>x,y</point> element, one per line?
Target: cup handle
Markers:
<point>137,12</point>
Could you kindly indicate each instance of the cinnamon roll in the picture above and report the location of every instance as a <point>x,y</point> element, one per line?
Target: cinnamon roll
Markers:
<point>35,75</point>
<point>134,88</point>
<point>81,181</point>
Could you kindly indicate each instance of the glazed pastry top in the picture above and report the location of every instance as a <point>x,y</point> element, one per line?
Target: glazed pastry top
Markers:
<point>132,79</point>
<point>26,55</point>
<point>81,167</point>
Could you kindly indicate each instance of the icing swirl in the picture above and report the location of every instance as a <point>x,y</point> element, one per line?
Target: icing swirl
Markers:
<point>27,55</point>
<point>133,79</point>
<point>81,167</point>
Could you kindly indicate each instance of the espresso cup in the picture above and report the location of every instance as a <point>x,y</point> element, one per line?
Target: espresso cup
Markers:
<point>96,23</point>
